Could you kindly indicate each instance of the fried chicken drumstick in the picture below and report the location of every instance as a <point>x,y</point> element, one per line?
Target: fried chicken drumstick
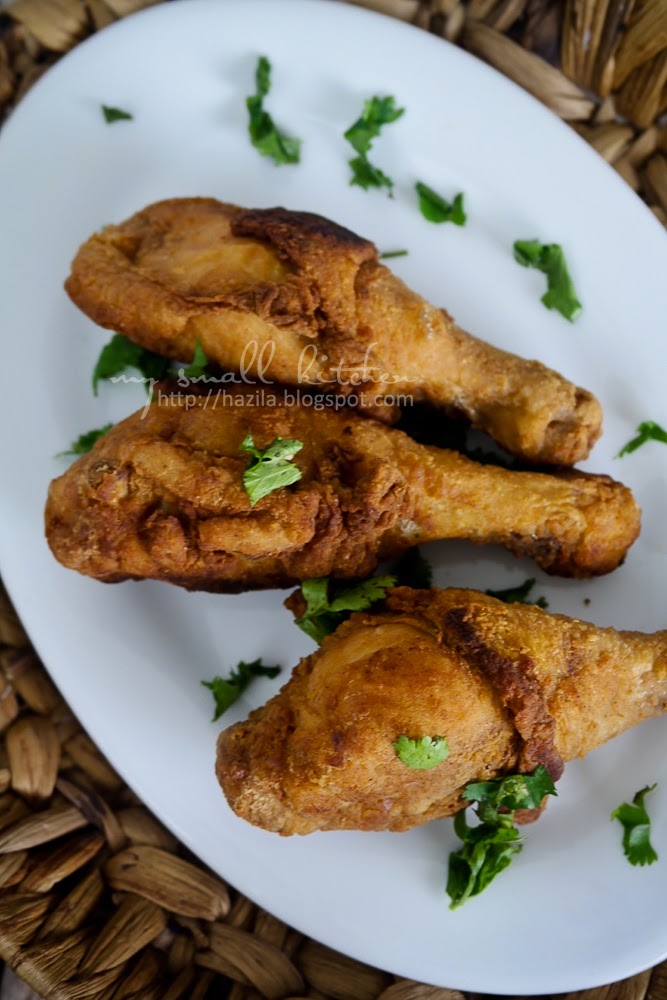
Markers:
<point>161,496</point>
<point>509,686</point>
<point>240,281</point>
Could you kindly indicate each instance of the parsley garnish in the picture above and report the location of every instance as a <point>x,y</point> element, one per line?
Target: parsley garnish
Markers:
<point>518,595</point>
<point>112,115</point>
<point>413,570</point>
<point>550,259</point>
<point>324,613</point>
<point>366,176</point>
<point>197,367</point>
<point>120,354</point>
<point>636,824</point>
<point>269,468</point>
<point>490,847</point>
<point>434,207</point>
<point>422,754</point>
<point>378,111</point>
<point>647,431</point>
<point>85,442</point>
<point>264,134</point>
<point>228,690</point>
<point>393,253</point>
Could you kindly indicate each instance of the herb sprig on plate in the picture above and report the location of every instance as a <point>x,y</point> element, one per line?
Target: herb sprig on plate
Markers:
<point>490,846</point>
<point>265,135</point>
<point>435,208</point>
<point>227,690</point>
<point>328,602</point>
<point>549,258</point>
<point>85,442</point>
<point>648,430</point>
<point>378,111</point>
<point>636,824</point>
<point>121,355</point>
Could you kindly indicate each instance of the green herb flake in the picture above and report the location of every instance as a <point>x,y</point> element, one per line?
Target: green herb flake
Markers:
<point>269,468</point>
<point>519,594</point>
<point>366,176</point>
<point>511,792</point>
<point>197,367</point>
<point>265,136</point>
<point>550,260</point>
<point>413,570</point>
<point>85,442</point>
<point>421,754</point>
<point>647,431</point>
<point>227,690</point>
<point>436,209</point>
<point>120,354</point>
<point>378,111</point>
<point>489,847</point>
<point>112,115</point>
<point>388,254</point>
<point>324,613</point>
<point>636,824</point>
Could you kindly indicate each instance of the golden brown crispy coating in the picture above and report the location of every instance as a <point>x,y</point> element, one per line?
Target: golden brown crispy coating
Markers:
<point>509,686</point>
<point>161,496</point>
<point>301,300</point>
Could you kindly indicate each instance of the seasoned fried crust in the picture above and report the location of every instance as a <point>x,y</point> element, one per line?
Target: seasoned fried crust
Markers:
<point>300,300</point>
<point>509,686</point>
<point>161,496</point>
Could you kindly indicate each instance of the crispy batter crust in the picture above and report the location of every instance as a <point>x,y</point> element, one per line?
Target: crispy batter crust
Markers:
<point>301,300</point>
<point>519,691</point>
<point>509,686</point>
<point>161,496</point>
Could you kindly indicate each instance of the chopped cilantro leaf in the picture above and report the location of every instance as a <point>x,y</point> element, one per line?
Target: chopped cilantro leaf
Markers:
<point>434,207</point>
<point>197,367</point>
<point>550,259</point>
<point>265,136</point>
<point>647,431</point>
<point>518,595</point>
<point>378,111</point>
<point>85,442</point>
<point>120,354</point>
<point>511,792</point>
<point>422,754</point>
<point>487,850</point>
<point>413,570</point>
<point>393,253</point>
<point>228,690</point>
<point>359,596</point>
<point>112,115</point>
<point>324,614</point>
<point>366,176</point>
<point>636,824</point>
<point>269,468</point>
<point>490,847</point>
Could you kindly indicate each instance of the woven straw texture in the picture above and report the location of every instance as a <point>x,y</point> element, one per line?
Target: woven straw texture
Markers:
<point>97,899</point>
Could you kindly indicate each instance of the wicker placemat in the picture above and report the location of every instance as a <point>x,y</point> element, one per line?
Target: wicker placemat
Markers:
<point>97,899</point>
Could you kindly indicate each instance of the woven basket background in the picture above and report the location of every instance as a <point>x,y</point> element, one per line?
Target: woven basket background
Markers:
<point>97,899</point>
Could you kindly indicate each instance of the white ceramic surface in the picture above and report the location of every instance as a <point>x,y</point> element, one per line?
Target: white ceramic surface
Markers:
<point>570,912</point>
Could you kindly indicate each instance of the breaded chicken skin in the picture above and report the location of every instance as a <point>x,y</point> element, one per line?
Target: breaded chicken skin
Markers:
<point>297,299</point>
<point>510,687</point>
<point>161,496</point>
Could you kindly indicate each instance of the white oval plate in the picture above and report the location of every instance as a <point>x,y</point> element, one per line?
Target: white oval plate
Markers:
<point>571,912</point>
